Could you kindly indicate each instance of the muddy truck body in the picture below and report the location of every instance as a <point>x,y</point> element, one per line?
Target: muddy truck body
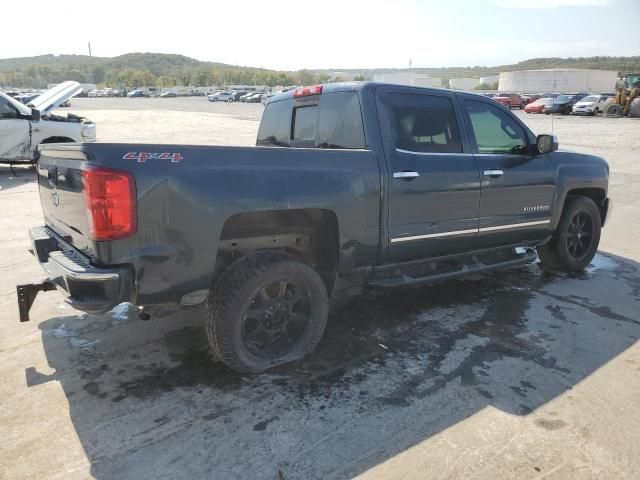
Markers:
<point>350,185</point>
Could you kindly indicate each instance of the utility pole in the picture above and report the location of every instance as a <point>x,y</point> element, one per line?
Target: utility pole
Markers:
<point>91,77</point>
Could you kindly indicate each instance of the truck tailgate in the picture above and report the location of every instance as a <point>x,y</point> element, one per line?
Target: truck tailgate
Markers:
<point>60,182</point>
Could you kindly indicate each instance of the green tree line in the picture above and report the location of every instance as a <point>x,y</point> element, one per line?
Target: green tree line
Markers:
<point>149,69</point>
<point>38,76</point>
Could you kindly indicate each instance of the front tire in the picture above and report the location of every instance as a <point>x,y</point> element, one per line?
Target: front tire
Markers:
<point>614,110</point>
<point>576,239</point>
<point>265,310</point>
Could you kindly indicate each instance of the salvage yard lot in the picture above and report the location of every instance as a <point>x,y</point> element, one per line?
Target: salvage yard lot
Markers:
<point>512,374</point>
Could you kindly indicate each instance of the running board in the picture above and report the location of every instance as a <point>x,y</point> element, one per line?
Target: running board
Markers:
<point>436,270</point>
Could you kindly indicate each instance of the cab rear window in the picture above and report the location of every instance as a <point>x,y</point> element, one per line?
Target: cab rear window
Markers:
<point>305,120</point>
<point>334,122</point>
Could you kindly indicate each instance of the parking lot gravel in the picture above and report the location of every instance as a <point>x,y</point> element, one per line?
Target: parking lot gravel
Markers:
<point>511,374</point>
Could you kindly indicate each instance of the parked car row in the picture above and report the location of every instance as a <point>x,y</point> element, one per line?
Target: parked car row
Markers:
<point>592,104</point>
<point>142,93</point>
<point>27,98</point>
<point>548,103</point>
<point>104,92</point>
<point>577,104</point>
<point>246,96</point>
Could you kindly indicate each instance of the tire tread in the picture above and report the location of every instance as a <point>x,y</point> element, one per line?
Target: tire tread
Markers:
<point>223,294</point>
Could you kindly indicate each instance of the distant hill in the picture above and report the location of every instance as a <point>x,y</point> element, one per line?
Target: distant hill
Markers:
<point>620,64</point>
<point>157,63</point>
<point>129,70</point>
<point>145,69</point>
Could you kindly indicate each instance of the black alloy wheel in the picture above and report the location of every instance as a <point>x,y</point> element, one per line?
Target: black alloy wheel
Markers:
<point>579,235</point>
<point>266,309</point>
<point>276,318</point>
<point>575,239</point>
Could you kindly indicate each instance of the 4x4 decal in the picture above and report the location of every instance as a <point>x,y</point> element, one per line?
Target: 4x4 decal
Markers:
<point>142,157</point>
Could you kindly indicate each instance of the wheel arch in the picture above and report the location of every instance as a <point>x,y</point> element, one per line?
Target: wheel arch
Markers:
<point>310,234</point>
<point>58,139</point>
<point>597,194</point>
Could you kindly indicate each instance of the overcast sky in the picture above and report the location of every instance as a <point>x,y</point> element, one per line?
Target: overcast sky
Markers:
<point>330,34</point>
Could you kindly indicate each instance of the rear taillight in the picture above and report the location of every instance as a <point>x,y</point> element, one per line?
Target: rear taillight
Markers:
<point>307,91</point>
<point>110,198</point>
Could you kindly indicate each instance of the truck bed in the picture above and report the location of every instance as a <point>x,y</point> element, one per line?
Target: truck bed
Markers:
<point>186,194</point>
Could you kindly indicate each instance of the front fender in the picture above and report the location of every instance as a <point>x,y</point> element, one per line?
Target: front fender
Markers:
<point>580,173</point>
<point>44,129</point>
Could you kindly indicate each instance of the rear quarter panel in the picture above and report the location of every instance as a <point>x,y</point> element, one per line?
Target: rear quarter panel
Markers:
<point>183,206</point>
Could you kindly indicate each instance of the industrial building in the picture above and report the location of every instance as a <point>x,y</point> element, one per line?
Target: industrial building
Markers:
<point>415,79</point>
<point>464,83</point>
<point>558,80</point>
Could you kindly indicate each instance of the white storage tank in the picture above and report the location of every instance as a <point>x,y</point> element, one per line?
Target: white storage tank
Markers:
<point>415,79</point>
<point>558,80</point>
<point>464,83</point>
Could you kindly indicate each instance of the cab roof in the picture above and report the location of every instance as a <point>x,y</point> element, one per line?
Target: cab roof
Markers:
<point>361,86</point>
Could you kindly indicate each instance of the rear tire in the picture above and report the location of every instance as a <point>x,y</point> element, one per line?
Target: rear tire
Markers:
<point>265,310</point>
<point>576,238</point>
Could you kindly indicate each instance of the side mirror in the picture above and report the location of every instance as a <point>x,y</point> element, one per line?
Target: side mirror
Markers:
<point>547,143</point>
<point>35,115</point>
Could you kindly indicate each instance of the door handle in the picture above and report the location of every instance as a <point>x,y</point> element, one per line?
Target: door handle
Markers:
<point>493,173</point>
<point>406,175</point>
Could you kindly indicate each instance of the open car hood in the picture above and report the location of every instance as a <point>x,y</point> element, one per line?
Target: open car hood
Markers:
<point>55,97</point>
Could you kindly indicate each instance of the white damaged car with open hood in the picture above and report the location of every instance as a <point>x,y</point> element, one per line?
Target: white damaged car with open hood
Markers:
<point>24,127</point>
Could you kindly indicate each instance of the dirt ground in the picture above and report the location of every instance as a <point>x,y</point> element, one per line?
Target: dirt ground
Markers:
<point>512,374</point>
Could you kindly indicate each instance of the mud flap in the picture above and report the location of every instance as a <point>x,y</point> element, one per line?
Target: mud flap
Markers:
<point>27,294</point>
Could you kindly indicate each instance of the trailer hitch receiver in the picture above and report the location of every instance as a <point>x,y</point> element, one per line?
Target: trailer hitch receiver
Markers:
<point>27,294</point>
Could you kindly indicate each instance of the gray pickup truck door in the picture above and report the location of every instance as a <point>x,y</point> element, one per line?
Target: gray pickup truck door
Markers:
<point>433,179</point>
<point>517,187</point>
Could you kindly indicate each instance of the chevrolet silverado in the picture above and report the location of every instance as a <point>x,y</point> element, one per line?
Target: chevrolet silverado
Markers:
<point>349,185</point>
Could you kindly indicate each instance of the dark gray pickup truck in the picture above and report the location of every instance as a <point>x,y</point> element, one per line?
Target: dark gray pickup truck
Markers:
<point>350,185</point>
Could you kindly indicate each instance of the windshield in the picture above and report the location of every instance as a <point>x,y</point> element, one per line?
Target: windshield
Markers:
<point>22,108</point>
<point>590,98</point>
<point>563,99</point>
<point>633,78</point>
<point>542,101</point>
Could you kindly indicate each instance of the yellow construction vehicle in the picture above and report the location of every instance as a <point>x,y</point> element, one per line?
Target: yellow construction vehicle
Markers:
<point>625,96</point>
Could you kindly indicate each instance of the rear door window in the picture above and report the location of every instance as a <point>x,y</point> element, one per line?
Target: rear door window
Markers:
<point>340,121</point>
<point>424,123</point>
